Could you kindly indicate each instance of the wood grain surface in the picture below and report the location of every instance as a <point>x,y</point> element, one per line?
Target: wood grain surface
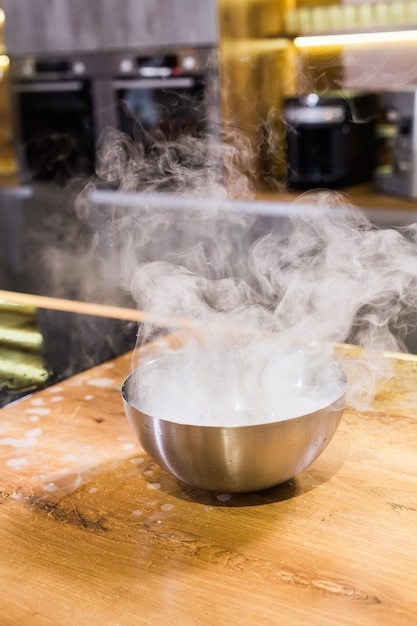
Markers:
<point>93,532</point>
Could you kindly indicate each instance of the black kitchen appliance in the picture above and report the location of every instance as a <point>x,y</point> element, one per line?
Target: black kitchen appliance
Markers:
<point>396,170</point>
<point>54,117</point>
<point>160,94</point>
<point>63,104</point>
<point>330,139</point>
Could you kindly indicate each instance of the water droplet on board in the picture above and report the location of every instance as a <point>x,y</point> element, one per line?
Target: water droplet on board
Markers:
<point>49,487</point>
<point>68,457</point>
<point>16,462</point>
<point>38,411</point>
<point>137,460</point>
<point>33,432</point>
<point>101,382</point>
<point>17,443</point>
<point>223,497</point>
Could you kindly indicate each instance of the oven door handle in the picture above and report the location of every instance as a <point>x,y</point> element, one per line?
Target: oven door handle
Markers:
<point>71,85</point>
<point>153,83</point>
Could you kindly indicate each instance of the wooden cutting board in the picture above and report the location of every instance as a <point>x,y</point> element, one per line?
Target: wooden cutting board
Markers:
<point>92,532</point>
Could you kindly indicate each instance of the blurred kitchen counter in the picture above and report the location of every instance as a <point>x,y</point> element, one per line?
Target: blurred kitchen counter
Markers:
<point>362,196</point>
<point>382,210</point>
<point>93,532</point>
<point>8,179</point>
<point>8,173</point>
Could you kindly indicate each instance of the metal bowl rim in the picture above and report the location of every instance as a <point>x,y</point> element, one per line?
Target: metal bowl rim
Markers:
<point>343,386</point>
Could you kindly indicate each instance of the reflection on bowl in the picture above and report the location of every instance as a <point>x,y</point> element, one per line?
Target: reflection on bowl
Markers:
<point>235,419</point>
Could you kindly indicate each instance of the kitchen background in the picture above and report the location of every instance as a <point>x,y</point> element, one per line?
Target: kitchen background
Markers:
<point>257,50</point>
<point>239,68</point>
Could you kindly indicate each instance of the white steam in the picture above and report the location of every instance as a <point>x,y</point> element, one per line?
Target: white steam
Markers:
<point>324,275</point>
<point>237,385</point>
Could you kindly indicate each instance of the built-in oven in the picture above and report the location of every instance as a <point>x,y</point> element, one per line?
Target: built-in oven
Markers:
<point>54,121</point>
<point>160,94</point>
<point>63,105</point>
<point>164,104</point>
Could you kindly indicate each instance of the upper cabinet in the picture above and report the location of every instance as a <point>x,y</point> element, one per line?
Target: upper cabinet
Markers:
<point>61,26</point>
<point>129,23</point>
<point>44,26</point>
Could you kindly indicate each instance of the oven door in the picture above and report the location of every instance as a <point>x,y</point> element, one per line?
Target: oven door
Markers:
<point>160,109</point>
<point>55,129</point>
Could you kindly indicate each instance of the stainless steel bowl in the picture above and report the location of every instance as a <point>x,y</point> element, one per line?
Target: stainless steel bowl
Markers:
<point>239,444</point>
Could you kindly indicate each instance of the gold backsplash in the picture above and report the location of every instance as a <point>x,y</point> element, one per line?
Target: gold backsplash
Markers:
<point>8,164</point>
<point>257,69</point>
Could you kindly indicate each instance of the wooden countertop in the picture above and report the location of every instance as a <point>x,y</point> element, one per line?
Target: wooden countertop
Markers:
<point>93,532</point>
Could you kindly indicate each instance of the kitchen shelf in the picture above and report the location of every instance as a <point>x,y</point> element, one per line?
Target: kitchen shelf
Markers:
<point>345,31</point>
<point>351,18</point>
<point>291,35</point>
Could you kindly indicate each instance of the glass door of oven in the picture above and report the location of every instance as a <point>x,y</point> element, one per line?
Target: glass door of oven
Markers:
<point>160,109</point>
<point>56,128</point>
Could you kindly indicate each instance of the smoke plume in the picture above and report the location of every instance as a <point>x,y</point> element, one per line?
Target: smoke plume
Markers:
<point>187,240</point>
